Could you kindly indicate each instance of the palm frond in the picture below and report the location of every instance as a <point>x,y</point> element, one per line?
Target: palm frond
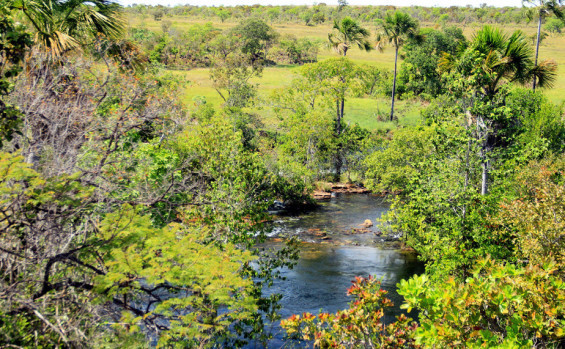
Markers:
<point>446,63</point>
<point>63,25</point>
<point>348,32</point>
<point>488,39</point>
<point>398,27</point>
<point>545,73</point>
<point>57,42</point>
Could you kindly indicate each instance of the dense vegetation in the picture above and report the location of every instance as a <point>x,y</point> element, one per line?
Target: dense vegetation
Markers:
<point>131,218</point>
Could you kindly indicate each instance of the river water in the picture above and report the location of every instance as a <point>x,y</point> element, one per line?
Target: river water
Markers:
<point>333,253</point>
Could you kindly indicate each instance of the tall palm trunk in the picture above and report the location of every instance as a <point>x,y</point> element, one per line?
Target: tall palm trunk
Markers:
<point>394,83</point>
<point>537,48</point>
<point>482,134</point>
<point>340,106</point>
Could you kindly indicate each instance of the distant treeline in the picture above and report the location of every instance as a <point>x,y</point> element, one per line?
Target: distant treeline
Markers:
<point>320,13</point>
<point>200,44</point>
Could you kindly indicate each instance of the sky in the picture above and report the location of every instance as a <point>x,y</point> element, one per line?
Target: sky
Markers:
<point>427,3</point>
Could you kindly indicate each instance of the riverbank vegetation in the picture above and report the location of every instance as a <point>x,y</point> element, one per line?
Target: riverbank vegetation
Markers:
<point>142,148</point>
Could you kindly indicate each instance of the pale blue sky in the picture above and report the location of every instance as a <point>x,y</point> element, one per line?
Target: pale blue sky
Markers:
<point>428,3</point>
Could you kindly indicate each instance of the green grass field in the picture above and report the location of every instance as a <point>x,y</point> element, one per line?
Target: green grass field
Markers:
<point>360,110</point>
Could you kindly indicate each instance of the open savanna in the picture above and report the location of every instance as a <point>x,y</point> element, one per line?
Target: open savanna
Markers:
<point>363,111</point>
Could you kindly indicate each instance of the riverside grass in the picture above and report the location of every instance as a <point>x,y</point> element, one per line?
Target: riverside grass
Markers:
<point>364,111</point>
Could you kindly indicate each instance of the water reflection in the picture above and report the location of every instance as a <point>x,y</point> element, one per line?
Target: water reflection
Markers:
<point>325,270</point>
<point>320,279</point>
<point>323,274</point>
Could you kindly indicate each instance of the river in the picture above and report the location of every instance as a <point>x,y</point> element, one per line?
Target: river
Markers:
<point>333,253</point>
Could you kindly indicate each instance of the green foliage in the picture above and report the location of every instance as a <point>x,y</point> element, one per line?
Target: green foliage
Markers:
<point>124,221</point>
<point>202,277</point>
<point>14,41</point>
<point>419,73</point>
<point>498,306</point>
<point>295,14</point>
<point>291,50</point>
<point>554,25</point>
<point>314,106</point>
<point>396,29</point>
<point>256,36</point>
<point>62,25</point>
<point>233,73</point>
<point>223,14</point>
<point>441,214</point>
<point>535,219</point>
<point>336,76</point>
<point>305,149</point>
<point>374,80</point>
<point>193,47</point>
<point>494,57</point>
<point>239,186</point>
<point>392,168</point>
<point>239,56</point>
<point>538,120</point>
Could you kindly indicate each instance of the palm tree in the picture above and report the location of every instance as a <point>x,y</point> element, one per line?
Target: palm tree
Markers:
<point>542,9</point>
<point>396,29</point>
<point>63,25</point>
<point>349,33</point>
<point>491,61</point>
<point>503,59</point>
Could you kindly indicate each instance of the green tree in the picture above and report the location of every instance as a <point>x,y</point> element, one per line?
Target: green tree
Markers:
<point>61,26</point>
<point>499,306</point>
<point>555,25</point>
<point>256,37</point>
<point>273,13</point>
<point>223,14</point>
<point>231,77</point>
<point>110,243</point>
<point>14,42</point>
<point>396,29</point>
<point>392,168</point>
<point>313,109</point>
<point>419,72</point>
<point>492,60</point>
<point>516,302</point>
<point>348,33</point>
<point>336,78</point>
<point>542,9</point>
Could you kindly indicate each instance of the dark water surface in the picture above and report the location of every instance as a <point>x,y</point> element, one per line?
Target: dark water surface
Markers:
<point>326,268</point>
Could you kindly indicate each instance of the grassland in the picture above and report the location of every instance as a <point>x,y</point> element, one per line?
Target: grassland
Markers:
<point>360,110</point>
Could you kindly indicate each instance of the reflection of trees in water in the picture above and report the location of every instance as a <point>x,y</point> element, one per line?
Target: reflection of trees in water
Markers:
<point>323,274</point>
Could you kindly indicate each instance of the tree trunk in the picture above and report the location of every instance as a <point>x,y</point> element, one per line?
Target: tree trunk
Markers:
<point>537,49</point>
<point>341,110</point>
<point>340,104</point>
<point>484,184</point>
<point>468,123</point>
<point>483,153</point>
<point>394,83</point>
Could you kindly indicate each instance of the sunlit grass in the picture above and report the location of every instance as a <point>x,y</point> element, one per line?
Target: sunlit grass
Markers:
<point>363,111</point>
